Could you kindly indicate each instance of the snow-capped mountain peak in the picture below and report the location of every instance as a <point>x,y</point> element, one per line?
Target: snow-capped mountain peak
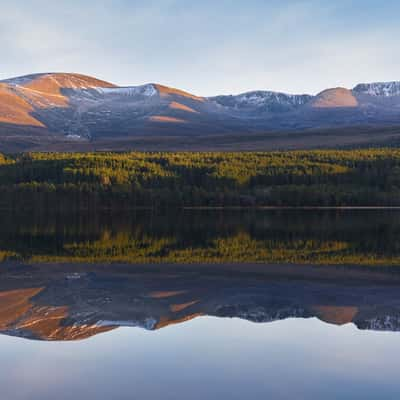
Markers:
<point>266,100</point>
<point>378,89</point>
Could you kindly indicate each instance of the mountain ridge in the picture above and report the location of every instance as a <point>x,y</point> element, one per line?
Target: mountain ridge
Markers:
<point>76,107</point>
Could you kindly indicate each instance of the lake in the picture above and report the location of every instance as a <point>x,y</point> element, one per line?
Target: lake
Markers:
<point>200,304</point>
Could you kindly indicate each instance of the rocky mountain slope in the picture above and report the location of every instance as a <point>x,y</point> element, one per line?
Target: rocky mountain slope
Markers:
<point>43,109</point>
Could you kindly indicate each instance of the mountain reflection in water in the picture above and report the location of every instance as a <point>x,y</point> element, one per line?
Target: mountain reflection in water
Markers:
<point>71,302</point>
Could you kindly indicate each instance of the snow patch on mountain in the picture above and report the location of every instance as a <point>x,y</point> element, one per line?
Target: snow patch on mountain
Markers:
<point>390,323</point>
<point>144,90</point>
<point>147,323</point>
<point>268,100</point>
<point>378,89</point>
<point>262,97</point>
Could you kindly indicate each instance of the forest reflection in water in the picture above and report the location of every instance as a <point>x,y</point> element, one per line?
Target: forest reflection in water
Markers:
<point>359,237</point>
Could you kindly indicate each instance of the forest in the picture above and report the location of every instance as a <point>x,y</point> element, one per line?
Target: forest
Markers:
<point>368,177</point>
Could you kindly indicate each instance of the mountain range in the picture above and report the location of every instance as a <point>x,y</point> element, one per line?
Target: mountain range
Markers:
<point>54,111</point>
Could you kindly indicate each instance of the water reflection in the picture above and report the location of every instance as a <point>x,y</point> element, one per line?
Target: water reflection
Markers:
<point>359,237</point>
<point>67,302</point>
<point>216,305</point>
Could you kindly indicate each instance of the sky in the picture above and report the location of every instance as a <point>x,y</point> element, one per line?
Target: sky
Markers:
<point>206,47</point>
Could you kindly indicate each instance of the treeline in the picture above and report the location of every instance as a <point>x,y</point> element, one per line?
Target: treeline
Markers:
<point>129,180</point>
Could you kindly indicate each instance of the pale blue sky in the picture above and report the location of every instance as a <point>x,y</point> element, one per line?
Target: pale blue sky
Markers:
<point>206,47</point>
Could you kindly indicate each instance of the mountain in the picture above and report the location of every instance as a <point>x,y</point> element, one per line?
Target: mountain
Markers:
<point>261,102</point>
<point>72,111</point>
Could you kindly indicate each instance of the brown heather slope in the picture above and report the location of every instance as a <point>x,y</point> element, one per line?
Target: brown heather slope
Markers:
<point>178,106</point>
<point>163,118</point>
<point>48,323</point>
<point>14,109</point>
<point>53,83</point>
<point>165,91</point>
<point>18,311</point>
<point>337,315</point>
<point>14,304</point>
<point>335,98</point>
<point>46,90</point>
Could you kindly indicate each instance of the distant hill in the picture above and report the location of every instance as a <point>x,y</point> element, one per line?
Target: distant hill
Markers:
<point>60,111</point>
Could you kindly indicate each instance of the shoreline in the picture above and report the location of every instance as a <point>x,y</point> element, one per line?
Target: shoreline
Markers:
<point>386,275</point>
<point>205,208</point>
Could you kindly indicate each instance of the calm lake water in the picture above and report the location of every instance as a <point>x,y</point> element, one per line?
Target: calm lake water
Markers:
<point>200,305</point>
